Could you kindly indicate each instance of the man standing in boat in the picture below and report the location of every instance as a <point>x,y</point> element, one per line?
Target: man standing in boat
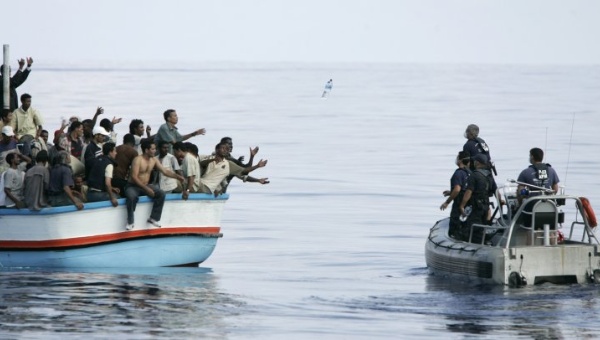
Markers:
<point>480,187</point>
<point>168,131</point>
<point>458,185</point>
<point>15,81</point>
<point>475,146</point>
<point>138,185</point>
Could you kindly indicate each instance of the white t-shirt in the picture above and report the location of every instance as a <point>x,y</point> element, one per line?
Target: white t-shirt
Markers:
<point>13,180</point>
<point>168,162</point>
<point>191,167</point>
<point>138,144</point>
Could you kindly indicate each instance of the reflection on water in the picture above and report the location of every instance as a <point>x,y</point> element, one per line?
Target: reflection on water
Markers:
<point>173,302</point>
<point>537,312</point>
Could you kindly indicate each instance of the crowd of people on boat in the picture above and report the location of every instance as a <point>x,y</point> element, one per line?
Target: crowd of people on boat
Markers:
<point>82,161</point>
<point>472,184</point>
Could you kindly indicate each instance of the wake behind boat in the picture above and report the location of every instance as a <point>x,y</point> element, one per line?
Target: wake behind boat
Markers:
<point>64,237</point>
<point>549,238</point>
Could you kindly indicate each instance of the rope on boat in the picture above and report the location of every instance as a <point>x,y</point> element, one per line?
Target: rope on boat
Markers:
<point>439,244</point>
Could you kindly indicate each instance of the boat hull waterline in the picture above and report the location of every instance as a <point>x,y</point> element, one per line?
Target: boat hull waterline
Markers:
<point>63,237</point>
<point>545,238</point>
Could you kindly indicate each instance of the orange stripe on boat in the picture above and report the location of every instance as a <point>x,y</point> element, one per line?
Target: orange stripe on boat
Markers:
<point>122,236</point>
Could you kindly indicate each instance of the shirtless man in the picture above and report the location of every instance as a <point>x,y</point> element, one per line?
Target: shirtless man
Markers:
<point>141,169</point>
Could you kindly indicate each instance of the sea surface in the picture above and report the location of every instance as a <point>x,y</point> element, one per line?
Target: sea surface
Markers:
<point>333,247</point>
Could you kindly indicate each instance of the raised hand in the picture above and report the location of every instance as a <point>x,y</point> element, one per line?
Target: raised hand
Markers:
<point>262,163</point>
<point>263,181</point>
<point>99,111</point>
<point>29,61</point>
<point>254,151</point>
<point>21,63</point>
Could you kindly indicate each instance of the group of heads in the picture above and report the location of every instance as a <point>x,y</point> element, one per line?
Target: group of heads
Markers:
<point>465,158</point>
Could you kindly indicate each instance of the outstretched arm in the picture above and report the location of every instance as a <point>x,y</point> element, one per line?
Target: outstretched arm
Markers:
<point>256,180</point>
<point>167,172</point>
<point>260,164</point>
<point>194,133</point>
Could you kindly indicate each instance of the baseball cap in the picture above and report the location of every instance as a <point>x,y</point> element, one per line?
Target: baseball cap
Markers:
<point>100,130</point>
<point>8,130</point>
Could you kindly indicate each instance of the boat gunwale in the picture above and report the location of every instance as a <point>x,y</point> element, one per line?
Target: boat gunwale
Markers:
<point>106,204</point>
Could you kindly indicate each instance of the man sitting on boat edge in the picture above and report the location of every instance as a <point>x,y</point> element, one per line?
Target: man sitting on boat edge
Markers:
<point>100,176</point>
<point>141,168</point>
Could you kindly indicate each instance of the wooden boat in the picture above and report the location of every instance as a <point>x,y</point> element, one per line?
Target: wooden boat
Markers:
<point>96,236</point>
<point>548,238</point>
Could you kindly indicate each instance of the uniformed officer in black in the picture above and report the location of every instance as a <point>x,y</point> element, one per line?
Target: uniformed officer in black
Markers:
<point>458,185</point>
<point>480,187</point>
<point>475,145</point>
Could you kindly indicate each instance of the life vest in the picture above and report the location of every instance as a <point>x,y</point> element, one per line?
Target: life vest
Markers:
<point>541,174</point>
<point>96,178</point>
<point>484,147</point>
<point>490,183</point>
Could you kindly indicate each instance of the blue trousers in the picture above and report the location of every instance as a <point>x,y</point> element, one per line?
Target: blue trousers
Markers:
<point>132,194</point>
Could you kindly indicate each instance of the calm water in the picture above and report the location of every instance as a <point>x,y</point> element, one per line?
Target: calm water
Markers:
<point>334,246</point>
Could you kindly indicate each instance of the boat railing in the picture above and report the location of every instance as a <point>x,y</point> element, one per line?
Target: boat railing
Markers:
<point>485,228</point>
<point>538,219</point>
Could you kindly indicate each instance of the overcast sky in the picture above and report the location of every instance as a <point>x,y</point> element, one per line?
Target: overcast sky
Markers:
<point>448,31</point>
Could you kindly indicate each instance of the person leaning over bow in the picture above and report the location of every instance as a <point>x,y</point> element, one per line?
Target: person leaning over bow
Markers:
<point>168,131</point>
<point>218,168</point>
<point>61,181</point>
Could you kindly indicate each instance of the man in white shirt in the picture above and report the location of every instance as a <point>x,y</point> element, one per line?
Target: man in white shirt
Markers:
<point>169,162</point>
<point>13,182</point>
<point>218,168</point>
<point>190,168</point>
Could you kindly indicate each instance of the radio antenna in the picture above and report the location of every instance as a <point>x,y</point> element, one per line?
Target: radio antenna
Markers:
<point>546,144</point>
<point>569,154</point>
